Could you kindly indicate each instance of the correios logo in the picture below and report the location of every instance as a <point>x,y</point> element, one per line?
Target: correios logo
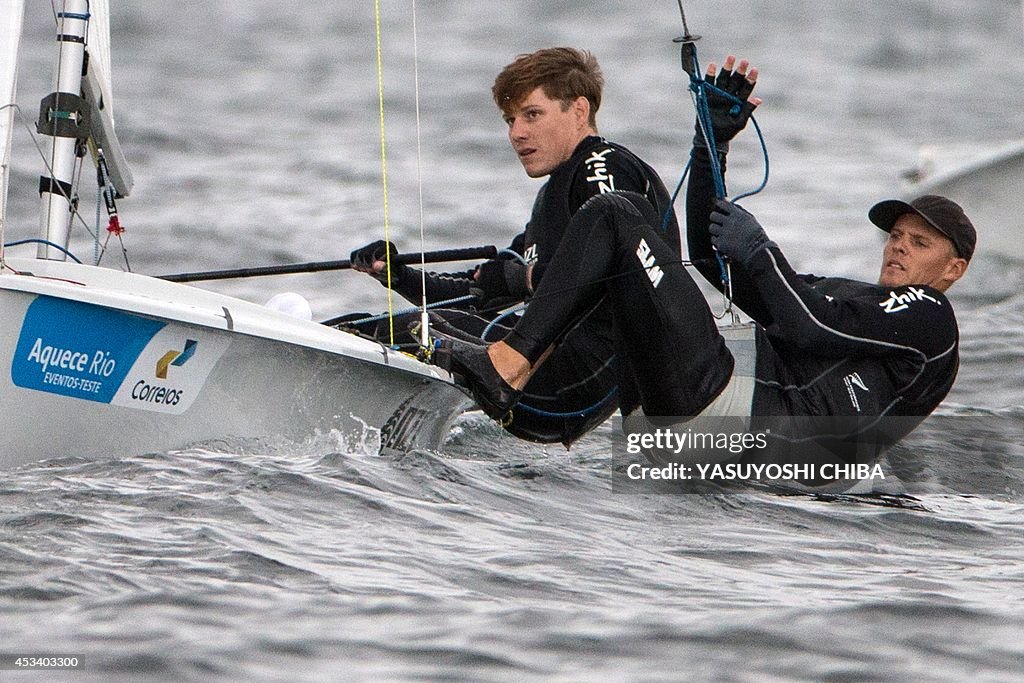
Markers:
<point>163,395</point>
<point>175,358</point>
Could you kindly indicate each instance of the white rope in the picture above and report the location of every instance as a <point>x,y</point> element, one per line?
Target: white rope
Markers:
<point>424,318</point>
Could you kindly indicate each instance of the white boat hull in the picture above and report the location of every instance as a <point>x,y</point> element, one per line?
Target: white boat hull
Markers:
<point>99,363</point>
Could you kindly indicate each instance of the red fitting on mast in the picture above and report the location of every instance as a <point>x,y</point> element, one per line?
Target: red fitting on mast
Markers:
<point>114,226</point>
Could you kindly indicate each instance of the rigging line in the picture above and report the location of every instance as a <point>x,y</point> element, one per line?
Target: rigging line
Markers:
<point>424,318</point>
<point>56,246</point>
<point>764,155</point>
<point>682,13</point>
<point>96,255</point>
<point>384,172</point>
<point>699,93</point>
<point>102,186</point>
<point>498,318</point>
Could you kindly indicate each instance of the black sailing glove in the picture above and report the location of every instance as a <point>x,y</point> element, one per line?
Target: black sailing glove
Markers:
<point>736,233</point>
<point>501,280</point>
<point>729,113</point>
<point>363,258</point>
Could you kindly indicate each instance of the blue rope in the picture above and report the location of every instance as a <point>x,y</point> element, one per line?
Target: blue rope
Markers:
<point>764,155</point>
<point>675,195</point>
<point>514,254</point>
<point>574,413</point>
<point>700,88</point>
<point>499,318</point>
<point>47,243</point>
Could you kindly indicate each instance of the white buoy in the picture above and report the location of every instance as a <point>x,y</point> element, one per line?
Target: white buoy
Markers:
<point>291,304</point>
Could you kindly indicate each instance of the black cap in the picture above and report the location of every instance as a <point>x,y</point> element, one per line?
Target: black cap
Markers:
<point>943,214</point>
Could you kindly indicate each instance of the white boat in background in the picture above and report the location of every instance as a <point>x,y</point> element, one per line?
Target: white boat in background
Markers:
<point>990,187</point>
<point>98,362</point>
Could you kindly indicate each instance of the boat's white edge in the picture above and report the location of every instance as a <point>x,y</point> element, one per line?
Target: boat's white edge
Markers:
<point>157,298</point>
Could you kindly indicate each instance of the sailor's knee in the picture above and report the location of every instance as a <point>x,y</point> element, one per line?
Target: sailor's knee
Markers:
<point>618,213</point>
<point>623,203</point>
<point>640,206</point>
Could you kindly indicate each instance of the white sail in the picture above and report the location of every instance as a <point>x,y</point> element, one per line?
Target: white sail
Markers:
<point>11,12</point>
<point>96,87</point>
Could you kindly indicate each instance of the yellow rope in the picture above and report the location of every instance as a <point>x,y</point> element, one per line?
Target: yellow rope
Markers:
<point>384,173</point>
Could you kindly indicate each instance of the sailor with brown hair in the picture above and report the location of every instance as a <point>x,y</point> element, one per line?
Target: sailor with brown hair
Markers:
<point>549,100</point>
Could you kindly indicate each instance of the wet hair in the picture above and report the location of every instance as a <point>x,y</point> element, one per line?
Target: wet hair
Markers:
<point>564,73</point>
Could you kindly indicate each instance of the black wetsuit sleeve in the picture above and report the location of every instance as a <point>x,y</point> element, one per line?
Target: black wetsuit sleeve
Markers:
<point>853,319</point>
<point>700,202</point>
<point>442,286</point>
<point>439,286</point>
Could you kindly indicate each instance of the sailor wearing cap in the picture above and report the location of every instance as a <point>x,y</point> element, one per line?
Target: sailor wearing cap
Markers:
<point>930,241</point>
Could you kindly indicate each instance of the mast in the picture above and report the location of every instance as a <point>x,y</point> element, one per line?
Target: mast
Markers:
<point>64,124</point>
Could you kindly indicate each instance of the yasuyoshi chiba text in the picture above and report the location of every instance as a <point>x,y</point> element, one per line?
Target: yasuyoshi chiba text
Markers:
<point>736,471</point>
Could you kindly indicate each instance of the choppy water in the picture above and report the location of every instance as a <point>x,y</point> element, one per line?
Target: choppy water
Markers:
<point>253,132</point>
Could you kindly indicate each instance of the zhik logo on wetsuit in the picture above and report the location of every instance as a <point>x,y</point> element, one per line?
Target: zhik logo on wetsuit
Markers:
<point>597,167</point>
<point>530,255</point>
<point>654,271</point>
<point>899,302</point>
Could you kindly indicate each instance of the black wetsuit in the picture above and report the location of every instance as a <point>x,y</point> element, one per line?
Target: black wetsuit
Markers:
<point>576,388</point>
<point>843,368</point>
<point>853,360</point>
